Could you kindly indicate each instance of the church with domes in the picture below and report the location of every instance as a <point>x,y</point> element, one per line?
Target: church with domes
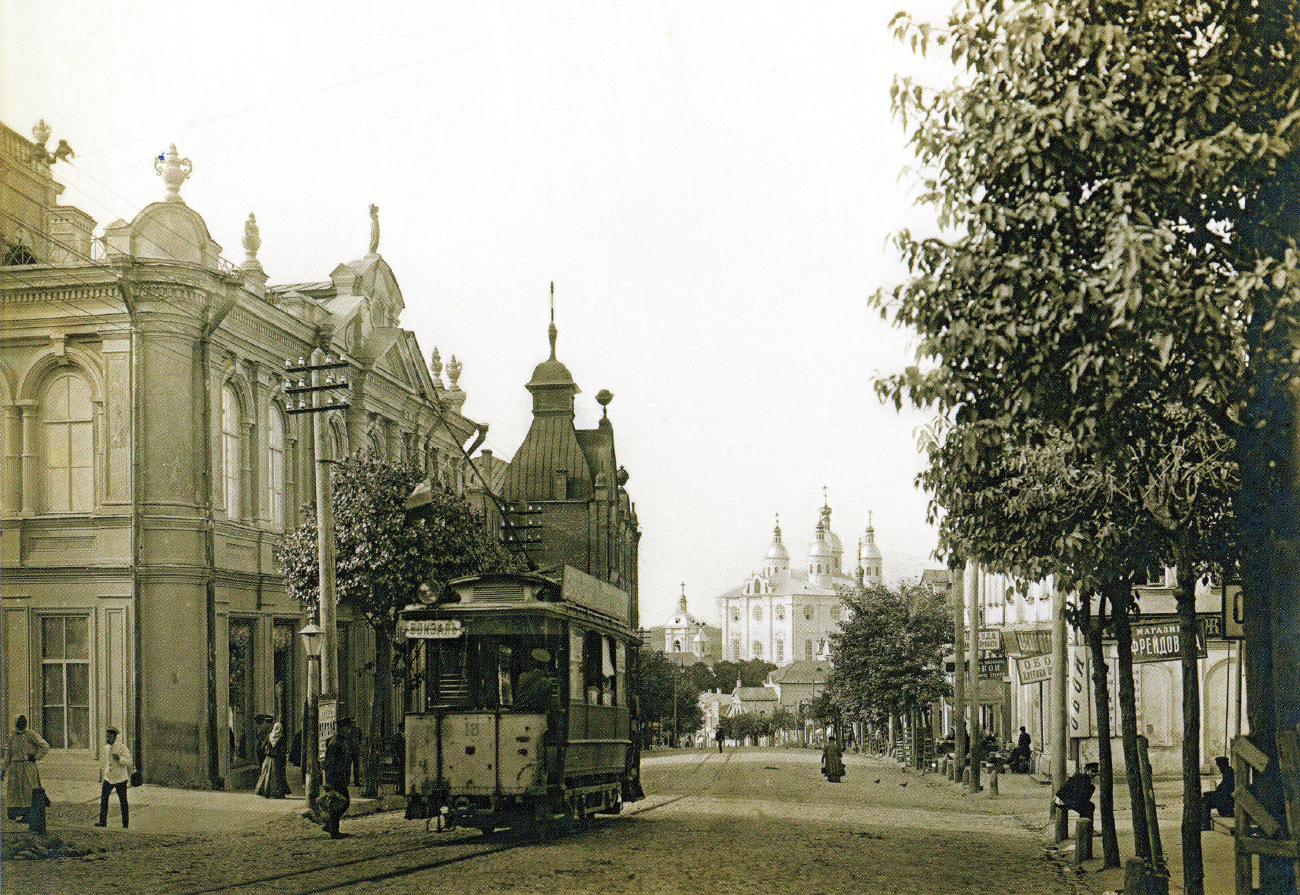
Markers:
<point>787,612</point>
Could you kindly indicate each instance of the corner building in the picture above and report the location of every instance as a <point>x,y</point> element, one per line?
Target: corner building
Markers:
<point>564,493</point>
<point>152,467</point>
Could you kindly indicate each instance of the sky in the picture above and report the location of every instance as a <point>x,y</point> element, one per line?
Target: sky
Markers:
<point>710,184</point>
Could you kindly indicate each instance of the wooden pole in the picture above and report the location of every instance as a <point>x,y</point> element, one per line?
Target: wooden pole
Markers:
<point>973,696</point>
<point>958,589</point>
<point>1057,719</point>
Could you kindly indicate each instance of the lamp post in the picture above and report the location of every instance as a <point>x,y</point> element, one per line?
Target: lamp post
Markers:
<point>312,643</point>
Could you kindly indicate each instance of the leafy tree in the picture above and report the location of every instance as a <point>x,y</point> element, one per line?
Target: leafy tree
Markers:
<point>1118,186</point>
<point>382,556</point>
<point>887,657</point>
<point>750,673</point>
<point>660,685</point>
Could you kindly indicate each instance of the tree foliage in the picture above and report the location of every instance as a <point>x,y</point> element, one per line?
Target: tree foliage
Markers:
<point>887,656</point>
<point>1114,293</point>
<point>659,685</point>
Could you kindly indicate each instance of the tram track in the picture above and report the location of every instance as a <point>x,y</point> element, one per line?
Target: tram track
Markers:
<point>336,875</point>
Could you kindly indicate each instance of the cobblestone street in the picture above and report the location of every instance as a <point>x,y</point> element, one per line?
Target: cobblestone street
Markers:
<point>742,822</point>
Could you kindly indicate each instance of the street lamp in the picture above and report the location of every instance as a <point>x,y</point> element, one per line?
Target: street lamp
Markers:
<point>312,642</point>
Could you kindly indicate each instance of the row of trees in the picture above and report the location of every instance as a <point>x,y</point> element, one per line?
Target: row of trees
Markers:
<point>1108,324</point>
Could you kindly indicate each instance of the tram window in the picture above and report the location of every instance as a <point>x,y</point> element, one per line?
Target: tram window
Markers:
<point>592,667</point>
<point>505,690</point>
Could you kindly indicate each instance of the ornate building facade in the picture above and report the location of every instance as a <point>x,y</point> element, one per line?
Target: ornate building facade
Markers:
<point>152,464</point>
<point>787,612</point>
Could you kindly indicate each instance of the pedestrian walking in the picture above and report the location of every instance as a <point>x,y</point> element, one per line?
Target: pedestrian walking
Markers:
<point>116,774</point>
<point>274,781</point>
<point>832,759</point>
<point>22,750</point>
<point>719,736</point>
<point>333,800</point>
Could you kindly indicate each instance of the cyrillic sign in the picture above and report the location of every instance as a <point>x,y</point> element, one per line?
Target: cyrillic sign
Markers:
<point>1160,642</point>
<point>1033,669</point>
<point>990,640</point>
<point>433,628</point>
<point>990,669</point>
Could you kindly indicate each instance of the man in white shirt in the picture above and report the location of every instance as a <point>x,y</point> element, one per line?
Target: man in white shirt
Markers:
<point>116,775</point>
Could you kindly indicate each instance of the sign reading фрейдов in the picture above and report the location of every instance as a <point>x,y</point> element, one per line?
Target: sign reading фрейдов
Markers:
<point>1160,642</point>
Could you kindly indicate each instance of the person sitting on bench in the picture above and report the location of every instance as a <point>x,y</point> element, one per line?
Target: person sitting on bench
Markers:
<point>1076,794</point>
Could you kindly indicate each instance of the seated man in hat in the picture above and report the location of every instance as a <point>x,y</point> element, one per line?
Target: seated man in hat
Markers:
<point>1220,798</point>
<point>536,691</point>
<point>1076,794</point>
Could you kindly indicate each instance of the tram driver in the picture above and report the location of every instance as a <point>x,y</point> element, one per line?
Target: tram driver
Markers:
<point>536,691</point>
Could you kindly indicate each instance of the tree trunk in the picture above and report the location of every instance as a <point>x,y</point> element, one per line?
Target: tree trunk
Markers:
<point>1193,868</point>
<point>1101,695</point>
<point>1121,602</point>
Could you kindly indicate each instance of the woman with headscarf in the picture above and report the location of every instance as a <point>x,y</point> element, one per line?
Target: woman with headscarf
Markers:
<point>22,750</point>
<point>832,759</point>
<point>274,783</point>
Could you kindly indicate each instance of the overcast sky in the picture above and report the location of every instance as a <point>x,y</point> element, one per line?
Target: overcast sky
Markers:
<point>710,185</point>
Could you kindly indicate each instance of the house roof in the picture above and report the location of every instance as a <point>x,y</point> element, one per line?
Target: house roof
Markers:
<point>804,671</point>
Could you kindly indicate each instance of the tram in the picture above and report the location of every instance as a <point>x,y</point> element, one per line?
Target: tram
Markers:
<point>521,711</point>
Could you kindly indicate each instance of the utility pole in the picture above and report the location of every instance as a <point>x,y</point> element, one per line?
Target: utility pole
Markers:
<point>1057,720</point>
<point>958,586</point>
<point>973,695</point>
<point>311,386</point>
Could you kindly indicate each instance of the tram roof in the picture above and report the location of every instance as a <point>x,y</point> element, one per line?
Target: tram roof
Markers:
<point>566,584</point>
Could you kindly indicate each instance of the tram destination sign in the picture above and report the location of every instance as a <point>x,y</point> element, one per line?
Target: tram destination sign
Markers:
<point>433,628</point>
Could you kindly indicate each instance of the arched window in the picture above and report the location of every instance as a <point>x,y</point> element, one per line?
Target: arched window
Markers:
<point>68,414</point>
<point>231,460</point>
<point>735,613</point>
<point>275,465</point>
<point>807,649</point>
<point>758,613</point>
<point>735,650</point>
<point>758,649</point>
<point>780,651</point>
<point>808,612</point>
<point>677,646</point>
<point>780,613</point>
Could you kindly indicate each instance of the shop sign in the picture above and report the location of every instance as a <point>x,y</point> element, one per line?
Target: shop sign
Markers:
<point>992,669</point>
<point>1033,669</point>
<point>1160,642</point>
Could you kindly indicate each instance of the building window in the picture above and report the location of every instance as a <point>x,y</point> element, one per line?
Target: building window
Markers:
<point>240,691</point>
<point>807,649</point>
<point>68,416</point>
<point>758,649</point>
<point>65,681</point>
<point>780,651</point>
<point>735,650</point>
<point>275,466</point>
<point>808,611</point>
<point>780,613</point>
<point>735,613</point>
<point>758,613</point>
<point>677,644</point>
<point>231,461</point>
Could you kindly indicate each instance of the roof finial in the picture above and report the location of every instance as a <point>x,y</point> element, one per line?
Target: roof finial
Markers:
<point>551,331</point>
<point>776,532</point>
<point>374,229</point>
<point>174,170</point>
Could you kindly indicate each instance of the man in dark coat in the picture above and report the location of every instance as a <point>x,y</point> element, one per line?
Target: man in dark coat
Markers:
<point>333,800</point>
<point>1020,755</point>
<point>1220,798</point>
<point>1076,794</point>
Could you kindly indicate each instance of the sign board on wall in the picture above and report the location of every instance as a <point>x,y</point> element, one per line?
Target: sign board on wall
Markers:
<point>1234,611</point>
<point>1034,643</point>
<point>990,669</point>
<point>1160,642</point>
<point>1033,669</point>
<point>990,640</point>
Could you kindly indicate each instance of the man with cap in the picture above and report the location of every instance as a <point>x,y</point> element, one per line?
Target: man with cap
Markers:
<point>1076,794</point>
<point>115,775</point>
<point>1220,798</point>
<point>333,800</point>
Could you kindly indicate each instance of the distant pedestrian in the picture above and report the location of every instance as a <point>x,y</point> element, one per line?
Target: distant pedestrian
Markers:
<point>274,782</point>
<point>1019,760</point>
<point>116,774</point>
<point>22,750</point>
<point>1076,794</point>
<point>333,800</point>
<point>832,759</point>
<point>719,736</point>
<point>262,729</point>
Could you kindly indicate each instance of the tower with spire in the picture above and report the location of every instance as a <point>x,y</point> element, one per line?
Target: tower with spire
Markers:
<point>565,493</point>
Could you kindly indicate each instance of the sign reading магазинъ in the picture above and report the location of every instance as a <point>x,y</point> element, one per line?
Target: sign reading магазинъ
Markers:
<point>1160,642</point>
<point>432,628</point>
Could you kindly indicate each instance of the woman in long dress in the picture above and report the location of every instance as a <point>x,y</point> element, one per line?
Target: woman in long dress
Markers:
<point>274,783</point>
<point>832,760</point>
<point>22,750</point>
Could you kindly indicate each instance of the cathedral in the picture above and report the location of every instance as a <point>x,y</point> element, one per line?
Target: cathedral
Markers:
<point>786,612</point>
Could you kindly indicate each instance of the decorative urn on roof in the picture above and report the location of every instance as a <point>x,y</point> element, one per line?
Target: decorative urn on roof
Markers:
<point>174,171</point>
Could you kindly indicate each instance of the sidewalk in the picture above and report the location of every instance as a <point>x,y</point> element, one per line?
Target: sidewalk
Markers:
<point>167,810</point>
<point>1023,796</point>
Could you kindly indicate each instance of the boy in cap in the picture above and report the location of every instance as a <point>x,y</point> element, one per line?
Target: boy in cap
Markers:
<point>115,775</point>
